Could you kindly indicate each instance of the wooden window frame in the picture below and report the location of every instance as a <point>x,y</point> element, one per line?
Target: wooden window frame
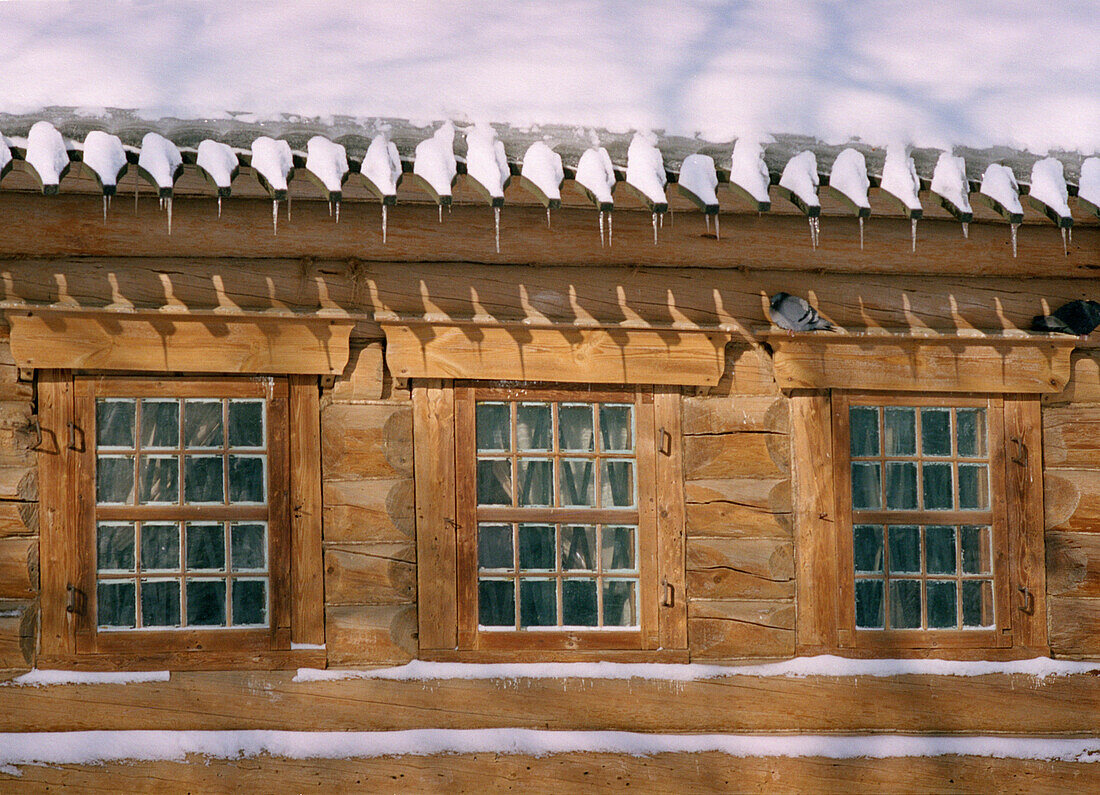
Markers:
<point>67,466</point>
<point>445,463</point>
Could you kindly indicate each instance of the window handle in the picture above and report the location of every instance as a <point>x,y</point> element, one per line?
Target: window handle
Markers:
<point>76,432</point>
<point>1028,606</point>
<point>664,445</point>
<point>669,597</point>
<point>77,602</point>
<point>1021,451</point>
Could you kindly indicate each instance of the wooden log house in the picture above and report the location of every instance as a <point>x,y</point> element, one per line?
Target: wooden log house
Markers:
<point>231,451</point>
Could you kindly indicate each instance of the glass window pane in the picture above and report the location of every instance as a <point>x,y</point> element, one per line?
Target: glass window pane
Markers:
<point>939,549</point>
<point>160,479</point>
<point>578,603</point>
<point>617,548</point>
<point>620,603</point>
<point>536,546</point>
<point>494,546</point>
<point>202,423</point>
<point>904,550</point>
<point>538,603</point>
<point>205,546</point>
<point>977,603</point>
<point>536,481</point>
<point>977,553</point>
<point>114,423</point>
<point>575,427</point>
<point>867,548</point>
<point>114,547</point>
<point>935,431</point>
<point>493,422</point>
<point>249,602</point>
<point>206,603</point>
<point>869,613</point>
<point>202,479</point>
<point>115,604</point>
<point>494,481</point>
<point>160,423</point>
<point>578,547</point>
<point>578,482</point>
<point>863,427</point>
<point>533,427</point>
<point>496,603</point>
<point>160,546</point>
<point>616,427</point>
<point>971,431</point>
<point>942,604</point>
<point>160,603</point>
<point>900,430</point>
<point>248,546</point>
<point>866,487</point>
<point>616,484</point>
<point>905,604</point>
<point>938,489</point>
<point>901,485</point>
<point>114,479</point>
<point>246,478</point>
<point>973,486</point>
<point>246,423</point>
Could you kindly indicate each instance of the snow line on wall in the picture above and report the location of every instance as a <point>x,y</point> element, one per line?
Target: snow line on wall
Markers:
<point>821,665</point>
<point>94,747</point>
<point>44,677</point>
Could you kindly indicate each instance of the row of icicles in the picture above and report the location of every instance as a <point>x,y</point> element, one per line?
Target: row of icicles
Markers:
<point>658,223</point>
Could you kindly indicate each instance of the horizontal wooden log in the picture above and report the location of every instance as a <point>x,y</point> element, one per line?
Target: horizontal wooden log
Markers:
<point>1072,499</point>
<point>18,567</point>
<point>704,415</point>
<point>1074,626</point>
<point>370,574</point>
<point>1073,564</point>
<point>370,634</point>
<point>748,568</point>
<point>362,378</point>
<point>18,518</point>
<point>773,494</point>
<point>1084,382</point>
<point>366,440</point>
<point>369,510</point>
<point>11,388</point>
<point>721,638</point>
<point>773,613</point>
<point>736,455</point>
<point>18,622</point>
<point>1071,435</point>
<point>727,519</point>
<point>18,478</point>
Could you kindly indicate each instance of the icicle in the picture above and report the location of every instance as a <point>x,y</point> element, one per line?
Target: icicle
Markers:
<point>861,233</point>
<point>337,212</point>
<point>813,234</point>
<point>160,201</point>
<point>137,185</point>
<point>168,207</point>
<point>601,228</point>
<point>1014,228</point>
<point>1071,235</point>
<point>966,230</point>
<point>662,220</point>
<point>275,216</point>
<point>219,207</point>
<point>288,205</point>
<point>109,207</point>
<point>609,230</point>
<point>654,228</point>
<point>1065,246</point>
<point>441,213</point>
<point>384,219</point>
<point>104,208</point>
<point>717,228</point>
<point>547,217</point>
<point>330,208</point>
<point>708,223</point>
<point>913,233</point>
<point>496,224</point>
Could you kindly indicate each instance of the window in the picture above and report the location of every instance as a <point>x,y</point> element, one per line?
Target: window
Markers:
<point>922,537</point>
<point>176,495</point>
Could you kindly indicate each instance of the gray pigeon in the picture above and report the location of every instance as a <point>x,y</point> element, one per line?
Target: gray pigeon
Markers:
<point>795,314</point>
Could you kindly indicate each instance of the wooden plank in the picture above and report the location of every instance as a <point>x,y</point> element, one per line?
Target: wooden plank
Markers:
<point>307,585</point>
<point>1074,626</point>
<point>1072,499</point>
<point>727,519</point>
<point>736,455</point>
<point>749,371</point>
<point>1073,564</point>
<point>18,630</point>
<point>370,635</point>
<point>370,574</point>
<point>568,354</point>
<point>722,639</point>
<point>1084,382</point>
<point>55,412</point>
<point>735,413</point>
<point>466,518</point>
<point>925,364</point>
<point>366,440</point>
<point>814,519</point>
<point>369,510</point>
<point>362,378</point>
<point>18,478</point>
<point>772,494</point>
<point>18,518</point>
<point>434,452</point>
<point>763,557</point>
<point>669,487</point>
<point>730,583</point>
<point>18,567</point>
<point>110,341</point>
<point>1071,435</point>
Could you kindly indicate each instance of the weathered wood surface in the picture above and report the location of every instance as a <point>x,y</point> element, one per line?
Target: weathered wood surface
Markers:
<point>378,509</point>
<point>362,378</point>
<point>72,225</point>
<point>18,628</point>
<point>573,772</point>
<point>1071,435</point>
<point>361,441</point>
<point>1084,383</point>
<point>307,584</point>
<point>370,574</point>
<point>738,629</point>
<point>992,704</point>
<point>370,634</point>
<point>1073,564</point>
<point>739,412</point>
<point>1074,626</point>
<point>18,567</point>
<point>1072,499</point>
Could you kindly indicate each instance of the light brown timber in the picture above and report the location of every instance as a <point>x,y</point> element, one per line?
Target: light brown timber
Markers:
<point>307,586</point>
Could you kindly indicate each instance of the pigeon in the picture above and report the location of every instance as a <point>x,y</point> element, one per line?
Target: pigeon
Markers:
<point>1076,317</point>
<point>795,314</point>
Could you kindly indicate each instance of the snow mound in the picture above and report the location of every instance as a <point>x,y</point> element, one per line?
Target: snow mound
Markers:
<point>273,161</point>
<point>47,153</point>
<point>104,155</point>
<point>1048,185</point>
<point>5,153</point>
<point>999,184</point>
<point>434,160</point>
<point>949,181</point>
<point>748,170</point>
<point>849,177</point>
<point>382,165</point>
<point>328,162</point>
<point>800,178</point>
<point>699,177</point>
<point>596,174</point>
<point>486,162</point>
<point>899,178</point>
<point>45,678</point>
<point>645,167</point>
<point>542,165</point>
<point>219,162</point>
<point>1089,189</point>
<point>160,159</point>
